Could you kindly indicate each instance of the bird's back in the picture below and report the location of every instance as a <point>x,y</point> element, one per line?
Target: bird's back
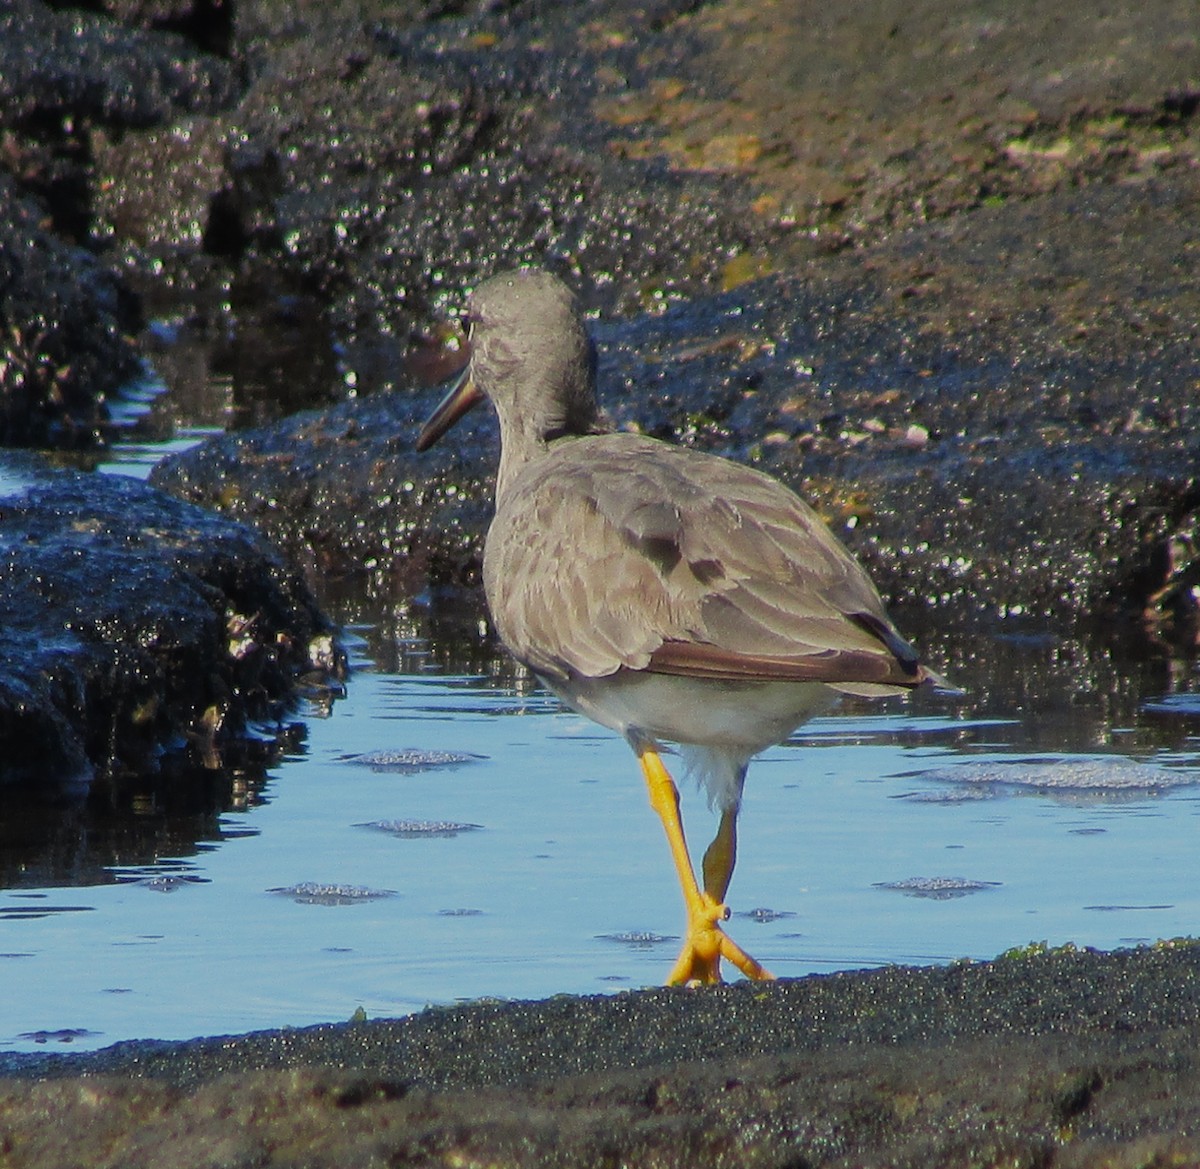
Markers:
<point>618,551</point>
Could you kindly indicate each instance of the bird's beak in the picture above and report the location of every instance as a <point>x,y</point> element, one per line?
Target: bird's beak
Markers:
<point>462,396</point>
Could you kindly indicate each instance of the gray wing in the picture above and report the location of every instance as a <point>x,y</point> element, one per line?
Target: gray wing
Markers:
<point>620,551</point>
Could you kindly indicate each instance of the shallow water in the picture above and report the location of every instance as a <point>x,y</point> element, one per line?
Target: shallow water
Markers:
<point>445,835</point>
<point>878,835</point>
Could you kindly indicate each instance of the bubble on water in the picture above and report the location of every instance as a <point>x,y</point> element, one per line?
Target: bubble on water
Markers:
<point>410,760</point>
<point>313,893</point>
<point>420,829</point>
<point>936,888</point>
<point>1123,908</point>
<point>62,1035</point>
<point>765,916</point>
<point>1113,774</point>
<point>159,878</point>
<point>964,795</point>
<point>171,882</point>
<point>638,939</point>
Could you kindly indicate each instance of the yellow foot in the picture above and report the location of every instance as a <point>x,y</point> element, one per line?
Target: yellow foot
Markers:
<point>699,961</point>
<point>706,942</point>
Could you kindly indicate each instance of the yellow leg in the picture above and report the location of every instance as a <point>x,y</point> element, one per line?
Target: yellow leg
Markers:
<point>706,942</point>
<point>721,856</point>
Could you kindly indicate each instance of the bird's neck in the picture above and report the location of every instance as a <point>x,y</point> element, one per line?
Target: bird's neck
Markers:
<point>525,438</point>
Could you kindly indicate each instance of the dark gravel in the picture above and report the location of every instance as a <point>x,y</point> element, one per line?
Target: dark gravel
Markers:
<point>1060,1058</point>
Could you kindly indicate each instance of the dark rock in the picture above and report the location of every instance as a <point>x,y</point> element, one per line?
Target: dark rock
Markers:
<point>385,175</point>
<point>852,124</point>
<point>67,76</point>
<point>70,70</point>
<point>66,323</point>
<point>343,494</point>
<point>159,186</point>
<point>65,326</point>
<point>134,626</point>
<point>208,24</point>
<point>999,471</point>
<point>1065,1057</point>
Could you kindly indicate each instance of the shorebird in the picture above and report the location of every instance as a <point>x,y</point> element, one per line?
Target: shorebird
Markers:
<point>670,595</point>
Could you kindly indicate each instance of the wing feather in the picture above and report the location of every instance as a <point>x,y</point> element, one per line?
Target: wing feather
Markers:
<point>618,551</point>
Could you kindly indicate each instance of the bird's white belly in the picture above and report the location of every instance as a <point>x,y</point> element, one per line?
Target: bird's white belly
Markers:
<point>725,722</point>
<point>697,711</point>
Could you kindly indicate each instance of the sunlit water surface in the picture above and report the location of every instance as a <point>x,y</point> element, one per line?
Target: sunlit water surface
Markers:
<point>444,838</point>
<point>534,866</point>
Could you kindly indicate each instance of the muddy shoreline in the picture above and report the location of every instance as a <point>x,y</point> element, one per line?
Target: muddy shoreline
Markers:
<point>1062,1057</point>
